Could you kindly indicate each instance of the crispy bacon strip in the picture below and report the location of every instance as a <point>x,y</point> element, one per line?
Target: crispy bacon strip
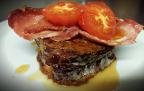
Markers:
<point>29,21</point>
<point>128,27</point>
<point>30,24</point>
<point>67,34</point>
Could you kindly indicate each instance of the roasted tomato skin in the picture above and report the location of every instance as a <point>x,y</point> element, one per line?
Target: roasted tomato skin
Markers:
<point>63,13</point>
<point>98,20</point>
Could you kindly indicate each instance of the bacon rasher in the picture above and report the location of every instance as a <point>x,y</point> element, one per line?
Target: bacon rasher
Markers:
<point>30,23</point>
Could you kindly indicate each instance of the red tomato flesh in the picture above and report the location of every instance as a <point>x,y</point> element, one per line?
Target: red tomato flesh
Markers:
<point>98,19</point>
<point>63,13</point>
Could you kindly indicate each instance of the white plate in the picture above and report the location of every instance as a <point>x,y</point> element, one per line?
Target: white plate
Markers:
<point>15,51</point>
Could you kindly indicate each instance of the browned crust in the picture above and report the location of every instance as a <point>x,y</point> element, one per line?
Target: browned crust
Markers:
<point>70,49</point>
<point>48,70</point>
<point>58,57</point>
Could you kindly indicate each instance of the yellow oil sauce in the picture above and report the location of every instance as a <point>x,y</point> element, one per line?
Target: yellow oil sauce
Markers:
<point>22,69</point>
<point>106,80</point>
<point>38,76</point>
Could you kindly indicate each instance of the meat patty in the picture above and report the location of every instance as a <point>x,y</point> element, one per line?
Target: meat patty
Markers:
<point>74,61</point>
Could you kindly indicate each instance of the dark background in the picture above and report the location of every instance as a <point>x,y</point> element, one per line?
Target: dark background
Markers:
<point>123,8</point>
